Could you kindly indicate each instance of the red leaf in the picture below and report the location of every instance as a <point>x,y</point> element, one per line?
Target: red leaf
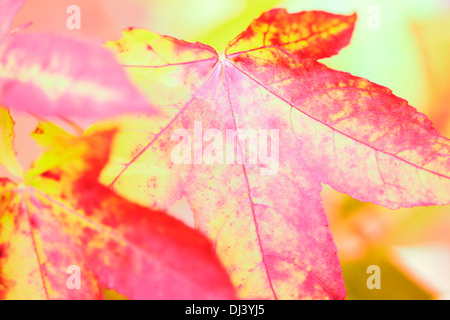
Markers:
<point>8,157</point>
<point>62,217</point>
<point>47,74</point>
<point>267,221</point>
<point>354,135</point>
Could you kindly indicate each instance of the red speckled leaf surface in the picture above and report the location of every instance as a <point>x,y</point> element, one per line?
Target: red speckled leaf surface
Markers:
<point>61,217</point>
<point>265,217</point>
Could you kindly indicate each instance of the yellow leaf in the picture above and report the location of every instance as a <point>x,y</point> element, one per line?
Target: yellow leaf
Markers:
<point>8,155</point>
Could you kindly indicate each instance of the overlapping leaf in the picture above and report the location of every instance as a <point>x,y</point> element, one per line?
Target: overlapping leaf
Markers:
<point>49,74</point>
<point>269,229</point>
<point>61,217</point>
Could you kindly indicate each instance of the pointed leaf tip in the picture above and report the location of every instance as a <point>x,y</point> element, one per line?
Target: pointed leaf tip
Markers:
<point>307,34</point>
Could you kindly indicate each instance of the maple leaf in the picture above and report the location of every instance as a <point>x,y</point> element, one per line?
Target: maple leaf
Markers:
<point>52,75</point>
<point>61,219</point>
<point>267,222</point>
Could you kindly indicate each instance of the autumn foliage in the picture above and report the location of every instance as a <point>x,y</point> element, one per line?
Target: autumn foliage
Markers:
<point>98,200</point>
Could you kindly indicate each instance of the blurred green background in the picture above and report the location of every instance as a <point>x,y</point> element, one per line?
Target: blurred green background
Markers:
<point>404,45</point>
